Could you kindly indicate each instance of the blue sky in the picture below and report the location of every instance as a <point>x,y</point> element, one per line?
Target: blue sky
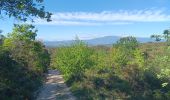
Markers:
<point>96,18</point>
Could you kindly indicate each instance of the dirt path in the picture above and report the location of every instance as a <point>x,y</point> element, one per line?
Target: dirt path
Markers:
<point>55,88</point>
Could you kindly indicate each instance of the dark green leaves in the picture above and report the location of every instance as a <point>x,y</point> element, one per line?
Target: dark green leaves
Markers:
<point>24,9</point>
<point>128,43</point>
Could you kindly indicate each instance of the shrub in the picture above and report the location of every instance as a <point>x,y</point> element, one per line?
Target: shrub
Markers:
<point>122,72</point>
<point>16,82</point>
<point>22,63</point>
<point>26,50</point>
<point>72,61</point>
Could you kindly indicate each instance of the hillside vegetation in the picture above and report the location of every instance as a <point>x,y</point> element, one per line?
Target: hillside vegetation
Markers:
<point>23,60</point>
<point>126,71</point>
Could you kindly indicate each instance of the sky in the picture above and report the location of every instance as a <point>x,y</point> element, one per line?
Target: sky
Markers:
<point>89,19</point>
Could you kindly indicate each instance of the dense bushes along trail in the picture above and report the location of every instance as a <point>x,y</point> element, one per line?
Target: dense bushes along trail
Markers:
<point>128,70</point>
<point>23,61</point>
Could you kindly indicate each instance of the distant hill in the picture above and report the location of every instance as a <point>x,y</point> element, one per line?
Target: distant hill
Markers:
<point>106,40</point>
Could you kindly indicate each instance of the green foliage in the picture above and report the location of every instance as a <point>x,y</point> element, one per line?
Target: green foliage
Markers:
<point>23,60</point>
<point>1,39</point>
<point>101,86</point>
<point>125,51</point>
<point>129,43</point>
<point>156,37</point>
<point>24,49</point>
<point>166,34</point>
<point>20,33</point>
<point>16,82</point>
<point>74,60</point>
<point>161,64</point>
<point>24,9</point>
<point>120,58</point>
<point>162,61</point>
<point>127,71</point>
<point>139,59</point>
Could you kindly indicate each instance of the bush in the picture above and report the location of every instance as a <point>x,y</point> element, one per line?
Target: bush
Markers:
<point>123,72</point>
<point>23,60</point>
<point>26,50</point>
<point>72,61</point>
<point>16,82</point>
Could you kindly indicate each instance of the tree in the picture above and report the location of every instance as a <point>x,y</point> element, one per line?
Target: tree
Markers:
<point>123,51</point>
<point>1,38</point>
<point>24,9</point>
<point>129,43</point>
<point>166,34</point>
<point>156,37</point>
<point>25,49</point>
<point>20,35</point>
<point>72,61</point>
<point>23,32</point>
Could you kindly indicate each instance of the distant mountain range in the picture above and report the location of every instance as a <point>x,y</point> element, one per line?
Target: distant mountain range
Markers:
<point>106,40</point>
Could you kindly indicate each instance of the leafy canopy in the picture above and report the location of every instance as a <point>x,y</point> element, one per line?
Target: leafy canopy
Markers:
<point>166,34</point>
<point>20,33</point>
<point>128,43</point>
<point>74,60</point>
<point>156,37</point>
<point>24,9</point>
<point>25,49</point>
